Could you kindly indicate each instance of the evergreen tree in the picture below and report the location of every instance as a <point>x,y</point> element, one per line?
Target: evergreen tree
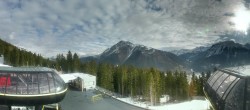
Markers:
<point>76,63</point>
<point>69,62</point>
<point>193,86</point>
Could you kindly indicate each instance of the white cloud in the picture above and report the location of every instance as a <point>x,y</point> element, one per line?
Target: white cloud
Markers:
<point>91,26</point>
<point>12,36</point>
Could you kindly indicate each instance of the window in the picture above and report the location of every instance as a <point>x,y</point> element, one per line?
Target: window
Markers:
<point>11,88</point>
<point>230,87</point>
<point>248,105</point>
<point>248,96</point>
<point>33,84</point>
<point>219,81</point>
<point>224,86</point>
<point>51,83</point>
<point>5,81</point>
<point>21,84</point>
<point>215,77</point>
<point>58,83</point>
<point>43,83</point>
<point>235,98</point>
<point>212,76</point>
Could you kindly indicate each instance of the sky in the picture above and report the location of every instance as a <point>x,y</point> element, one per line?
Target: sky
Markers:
<point>88,27</point>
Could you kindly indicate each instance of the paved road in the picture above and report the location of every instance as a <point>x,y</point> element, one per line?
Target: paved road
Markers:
<point>75,100</point>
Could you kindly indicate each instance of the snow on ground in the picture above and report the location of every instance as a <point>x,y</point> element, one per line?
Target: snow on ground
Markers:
<point>242,69</point>
<point>3,65</point>
<point>189,105</point>
<point>2,62</point>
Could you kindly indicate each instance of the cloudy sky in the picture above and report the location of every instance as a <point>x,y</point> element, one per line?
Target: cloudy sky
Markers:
<point>89,27</point>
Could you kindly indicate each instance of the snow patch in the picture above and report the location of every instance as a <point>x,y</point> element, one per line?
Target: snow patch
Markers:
<point>242,69</point>
<point>189,105</point>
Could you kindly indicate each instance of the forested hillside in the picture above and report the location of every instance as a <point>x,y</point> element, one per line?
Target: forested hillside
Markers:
<point>20,57</point>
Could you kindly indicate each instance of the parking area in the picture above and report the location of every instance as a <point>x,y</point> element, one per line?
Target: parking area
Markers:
<point>76,100</point>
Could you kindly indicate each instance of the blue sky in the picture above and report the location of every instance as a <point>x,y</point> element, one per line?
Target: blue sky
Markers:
<point>88,27</point>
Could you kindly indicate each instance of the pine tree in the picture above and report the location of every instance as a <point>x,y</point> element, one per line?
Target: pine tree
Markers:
<point>193,86</point>
<point>76,63</point>
<point>69,62</point>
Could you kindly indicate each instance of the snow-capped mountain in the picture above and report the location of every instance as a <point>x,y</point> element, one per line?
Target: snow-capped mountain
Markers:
<point>118,53</point>
<point>222,54</point>
<point>127,53</point>
<point>228,47</point>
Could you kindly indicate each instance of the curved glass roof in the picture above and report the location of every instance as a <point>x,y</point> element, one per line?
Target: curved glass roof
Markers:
<point>30,81</point>
<point>227,89</point>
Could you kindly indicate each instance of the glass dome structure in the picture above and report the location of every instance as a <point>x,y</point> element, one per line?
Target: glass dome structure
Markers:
<point>30,86</point>
<point>228,90</point>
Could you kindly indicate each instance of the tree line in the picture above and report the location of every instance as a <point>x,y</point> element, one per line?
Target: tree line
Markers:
<point>149,84</point>
<point>20,57</point>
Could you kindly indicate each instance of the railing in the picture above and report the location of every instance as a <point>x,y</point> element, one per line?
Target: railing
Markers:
<point>108,92</point>
<point>96,98</point>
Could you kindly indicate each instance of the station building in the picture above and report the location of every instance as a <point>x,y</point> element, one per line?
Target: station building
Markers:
<point>30,86</point>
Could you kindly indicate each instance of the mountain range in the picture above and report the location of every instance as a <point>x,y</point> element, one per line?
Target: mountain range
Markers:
<point>220,55</point>
<point>127,53</point>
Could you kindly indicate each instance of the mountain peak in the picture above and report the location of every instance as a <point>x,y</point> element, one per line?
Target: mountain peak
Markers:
<point>122,42</point>
<point>227,43</point>
<point>125,52</point>
<point>226,47</point>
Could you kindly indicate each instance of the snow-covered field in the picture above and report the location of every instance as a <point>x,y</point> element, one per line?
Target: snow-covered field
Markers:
<point>242,69</point>
<point>188,105</point>
<point>3,65</point>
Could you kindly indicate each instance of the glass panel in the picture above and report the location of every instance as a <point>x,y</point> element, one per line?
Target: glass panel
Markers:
<point>248,95</point>
<point>216,76</point>
<point>51,83</point>
<point>235,98</point>
<point>224,86</point>
<point>212,76</point>
<point>21,84</point>
<point>3,79</point>
<point>43,83</point>
<point>230,87</point>
<point>219,81</point>
<point>2,89</point>
<point>11,87</point>
<point>59,83</point>
<point>33,84</point>
<point>248,105</point>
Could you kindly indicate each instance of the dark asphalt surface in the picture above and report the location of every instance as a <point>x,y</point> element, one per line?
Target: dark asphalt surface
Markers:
<point>76,100</point>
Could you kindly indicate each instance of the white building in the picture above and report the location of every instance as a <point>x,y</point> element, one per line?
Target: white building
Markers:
<point>87,81</point>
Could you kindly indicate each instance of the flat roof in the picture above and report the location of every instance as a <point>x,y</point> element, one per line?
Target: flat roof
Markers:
<point>25,69</point>
<point>72,76</point>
